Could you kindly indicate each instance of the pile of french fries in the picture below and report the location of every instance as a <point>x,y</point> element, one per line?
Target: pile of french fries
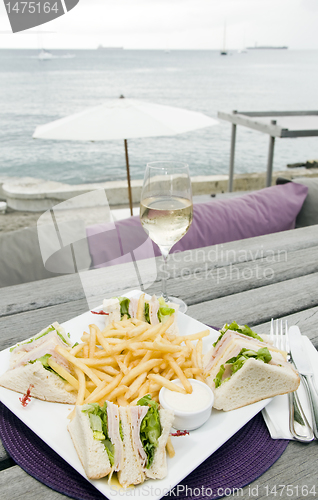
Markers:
<point>129,359</point>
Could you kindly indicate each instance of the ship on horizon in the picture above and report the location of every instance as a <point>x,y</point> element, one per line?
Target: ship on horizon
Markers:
<point>223,51</point>
<point>266,47</point>
<point>101,47</point>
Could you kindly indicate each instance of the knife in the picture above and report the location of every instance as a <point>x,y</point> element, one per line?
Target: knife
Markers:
<point>303,365</point>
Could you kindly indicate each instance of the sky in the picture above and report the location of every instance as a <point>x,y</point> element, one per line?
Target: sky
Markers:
<point>172,24</point>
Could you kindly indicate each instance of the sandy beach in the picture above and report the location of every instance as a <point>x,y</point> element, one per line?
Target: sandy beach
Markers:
<point>13,220</point>
<point>204,189</point>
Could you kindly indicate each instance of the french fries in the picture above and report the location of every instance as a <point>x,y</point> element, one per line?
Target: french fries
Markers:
<point>129,359</point>
<point>170,448</point>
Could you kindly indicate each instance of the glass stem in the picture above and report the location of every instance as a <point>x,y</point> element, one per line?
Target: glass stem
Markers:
<point>164,277</point>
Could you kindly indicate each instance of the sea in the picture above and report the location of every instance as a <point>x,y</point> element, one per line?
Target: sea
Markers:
<point>34,92</point>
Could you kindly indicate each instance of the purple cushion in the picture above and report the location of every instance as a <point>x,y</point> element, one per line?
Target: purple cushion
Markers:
<point>119,242</point>
<point>266,211</point>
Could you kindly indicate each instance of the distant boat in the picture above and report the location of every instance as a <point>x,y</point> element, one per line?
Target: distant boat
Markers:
<point>223,51</point>
<point>243,49</point>
<point>267,47</point>
<point>101,47</point>
<point>45,55</point>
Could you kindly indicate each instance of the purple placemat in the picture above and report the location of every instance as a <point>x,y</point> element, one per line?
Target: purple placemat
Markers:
<point>241,460</point>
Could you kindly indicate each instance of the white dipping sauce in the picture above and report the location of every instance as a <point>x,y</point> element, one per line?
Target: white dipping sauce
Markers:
<point>191,403</point>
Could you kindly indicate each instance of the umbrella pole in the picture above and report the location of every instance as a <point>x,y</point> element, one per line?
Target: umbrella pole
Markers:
<point>128,177</point>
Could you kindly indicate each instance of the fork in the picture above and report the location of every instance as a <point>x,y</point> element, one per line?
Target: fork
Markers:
<point>298,423</point>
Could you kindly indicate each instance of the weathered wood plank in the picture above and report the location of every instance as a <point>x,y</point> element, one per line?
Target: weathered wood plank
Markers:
<point>297,466</point>
<point>260,305</point>
<point>306,320</point>
<point>208,283</point>
<point>5,459</point>
<point>45,293</point>
<point>106,282</point>
<point>21,326</point>
<point>39,294</point>
<point>15,484</point>
<point>252,307</point>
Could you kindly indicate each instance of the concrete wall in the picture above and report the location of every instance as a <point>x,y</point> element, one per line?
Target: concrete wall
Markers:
<point>38,195</point>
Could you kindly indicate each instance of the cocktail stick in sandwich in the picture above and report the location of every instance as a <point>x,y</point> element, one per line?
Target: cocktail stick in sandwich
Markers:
<point>242,369</point>
<point>153,311</point>
<point>30,365</point>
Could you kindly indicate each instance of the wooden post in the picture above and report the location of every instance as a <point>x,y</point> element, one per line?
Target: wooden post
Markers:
<point>128,178</point>
<point>232,155</point>
<point>270,158</point>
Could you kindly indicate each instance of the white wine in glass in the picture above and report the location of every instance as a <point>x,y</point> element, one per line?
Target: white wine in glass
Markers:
<point>166,209</point>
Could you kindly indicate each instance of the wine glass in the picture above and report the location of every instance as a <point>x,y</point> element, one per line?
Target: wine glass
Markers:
<point>166,209</point>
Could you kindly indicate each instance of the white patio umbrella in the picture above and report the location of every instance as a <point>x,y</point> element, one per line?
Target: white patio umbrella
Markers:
<point>123,119</point>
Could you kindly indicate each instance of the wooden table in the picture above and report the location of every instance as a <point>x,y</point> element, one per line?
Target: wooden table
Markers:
<point>250,281</point>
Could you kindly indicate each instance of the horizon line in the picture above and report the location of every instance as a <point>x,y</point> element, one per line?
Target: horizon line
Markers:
<point>110,48</point>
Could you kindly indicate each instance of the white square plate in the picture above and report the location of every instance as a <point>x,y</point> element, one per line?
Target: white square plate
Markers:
<point>49,420</point>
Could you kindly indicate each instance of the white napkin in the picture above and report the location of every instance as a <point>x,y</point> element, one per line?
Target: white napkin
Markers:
<point>276,413</point>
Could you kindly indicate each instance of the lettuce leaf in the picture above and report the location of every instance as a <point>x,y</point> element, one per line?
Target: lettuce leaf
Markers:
<point>124,306</point>
<point>238,361</point>
<point>164,310</point>
<point>218,378</point>
<point>99,425</point>
<point>147,315</point>
<point>147,401</point>
<point>63,338</point>
<point>45,364</point>
<point>121,432</point>
<point>109,447</point>
<point>96,423</point>
<point>246,330</point>
<point>150,429</point>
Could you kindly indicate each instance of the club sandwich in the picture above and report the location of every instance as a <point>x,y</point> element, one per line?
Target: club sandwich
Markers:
<point>128,440</point>
<point>241,368</point>
<point>153,311</point>
<point>30,369</point>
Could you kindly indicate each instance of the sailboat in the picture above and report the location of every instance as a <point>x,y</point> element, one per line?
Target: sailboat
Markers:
<point>223,52</point>
<point>45,55</point>
<point>243,49</point>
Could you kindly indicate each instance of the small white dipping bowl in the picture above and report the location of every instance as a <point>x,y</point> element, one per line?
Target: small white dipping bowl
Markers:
<point>190,410</point>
